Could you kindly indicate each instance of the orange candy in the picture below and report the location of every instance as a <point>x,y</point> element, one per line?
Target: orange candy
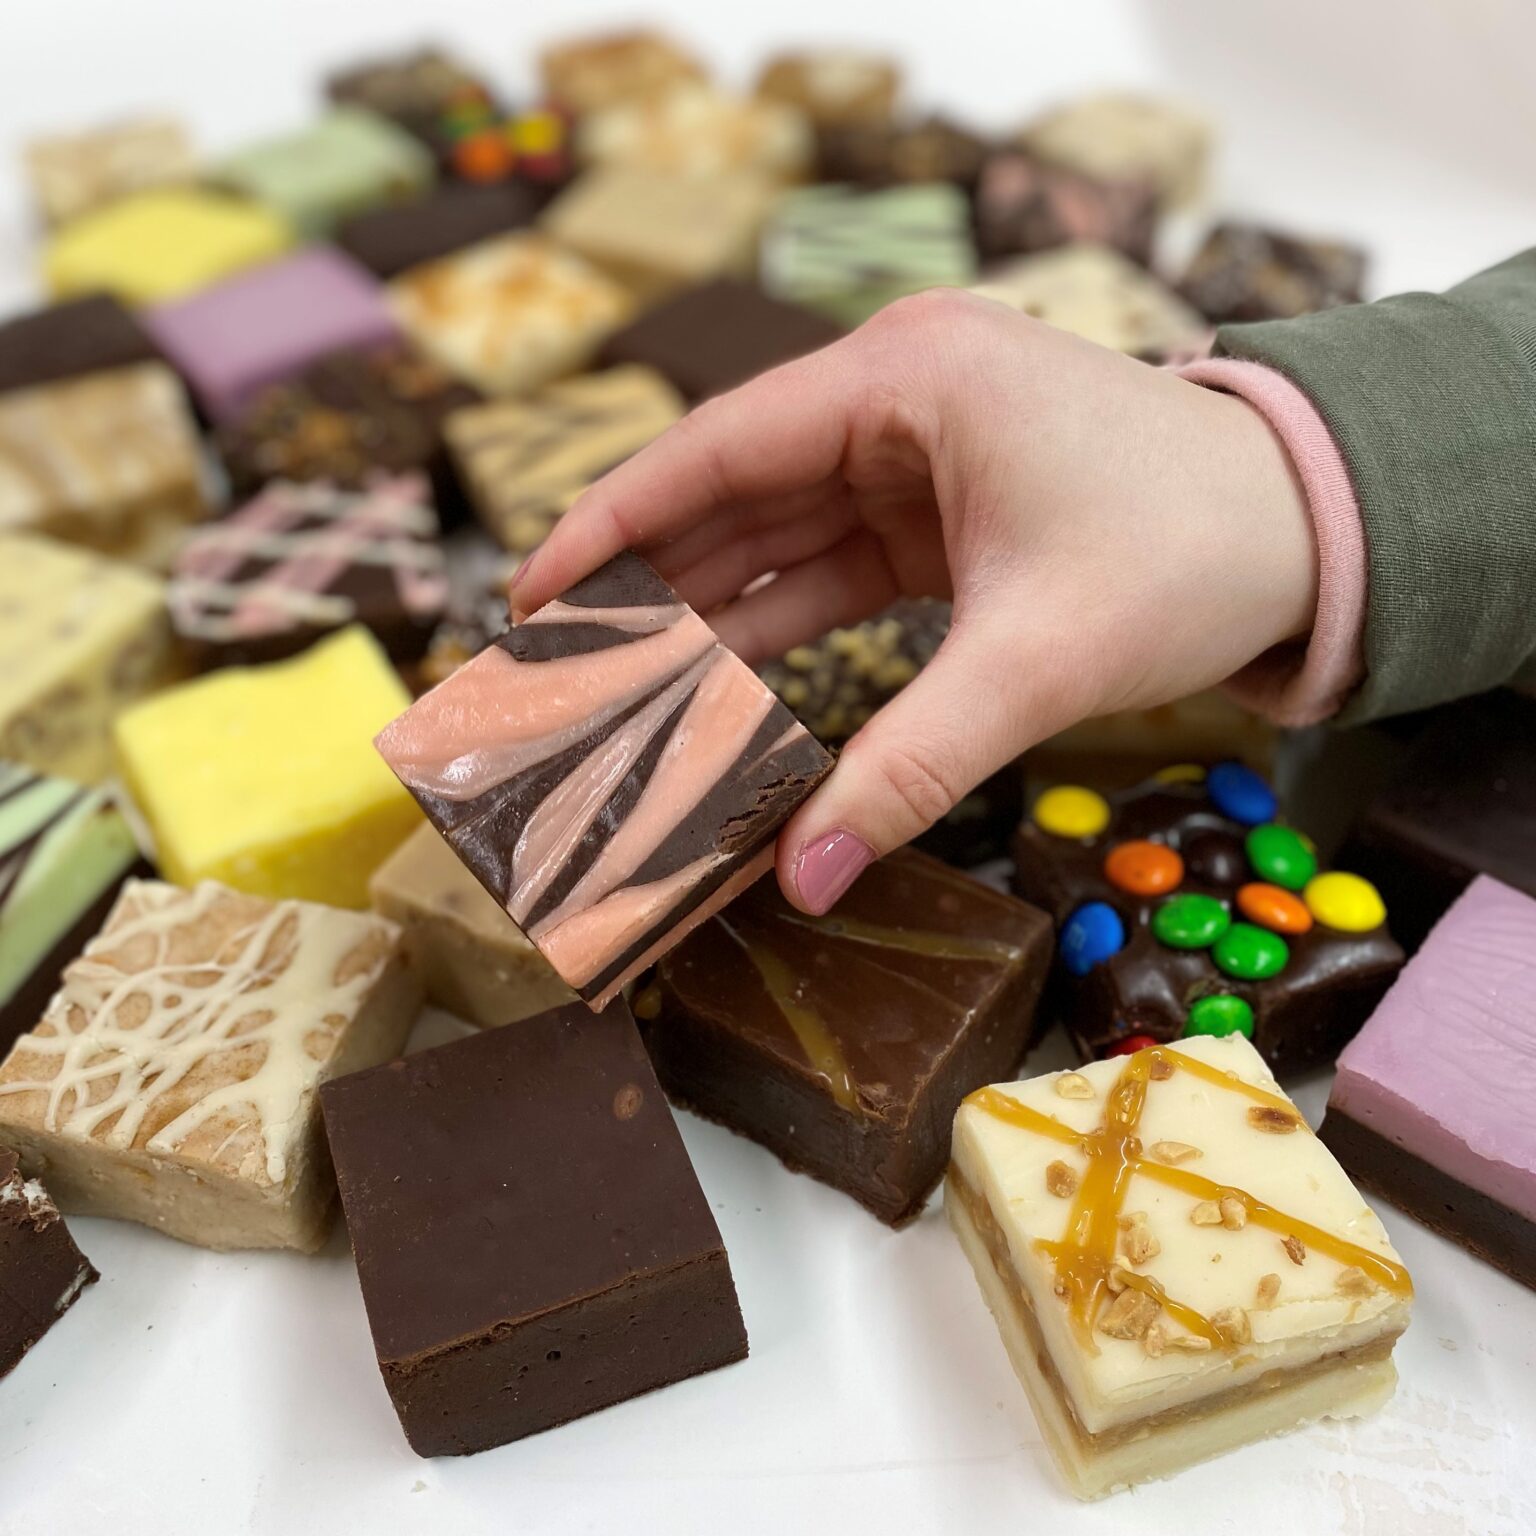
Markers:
<point>484,156</point>
<point>1143,868</point>
<point>1269,906</point>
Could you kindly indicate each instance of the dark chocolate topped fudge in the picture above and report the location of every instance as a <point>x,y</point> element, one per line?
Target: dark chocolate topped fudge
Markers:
<point>64,341</point>
<point>388,240</point>
<point>1246,272</point>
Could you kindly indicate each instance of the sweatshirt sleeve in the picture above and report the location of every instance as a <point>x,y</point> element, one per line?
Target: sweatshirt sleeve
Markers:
<point>1431,398</point>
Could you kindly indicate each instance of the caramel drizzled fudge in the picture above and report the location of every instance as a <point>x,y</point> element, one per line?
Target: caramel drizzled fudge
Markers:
<point>173,1079</point>
<point>1176,1264</point>
<point>72,174</point>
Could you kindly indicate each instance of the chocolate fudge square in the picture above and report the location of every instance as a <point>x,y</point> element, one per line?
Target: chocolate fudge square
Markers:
<point>64,341</point>
<point>845,1043</point>
<point>389,240</point>
<point>530,1237</point>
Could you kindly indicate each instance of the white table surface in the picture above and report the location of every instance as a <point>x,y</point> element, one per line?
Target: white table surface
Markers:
<point>222,1394</point>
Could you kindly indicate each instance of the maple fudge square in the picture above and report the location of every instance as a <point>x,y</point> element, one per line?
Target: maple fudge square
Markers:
<point>587,74</point>
<point>1177,1265</point>
<point>73,173</point>
<point>173,1079</point>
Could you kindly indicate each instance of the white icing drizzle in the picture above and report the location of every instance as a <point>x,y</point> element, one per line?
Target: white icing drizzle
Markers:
<point>73,1289</point>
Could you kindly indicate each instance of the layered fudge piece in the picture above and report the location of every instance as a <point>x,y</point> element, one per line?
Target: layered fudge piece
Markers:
<point>588,74</point>
<point>81,638</point>
<point>1185,907</point>
<point>709,339</point>
<point>74,173</point>
<point>262,777</point>
<point>509,314</point>
<point>42,1272</point>
<point>1024,206</point>
<point>892,154</point>
<point>422,91</point>
<point>303,560</point>
<point>64,341</point>
<point>525,461</point>
<point>845,1043</point>
<point>110,460</point>
<point>173,1078</point>
<point>347,161</point>
<point>1247,272</point>
<point>162,244</point>
<point>388,241</point>
<point>469,954</point>
<point>530,1237</point>
<point>65,851</point>
<point>848,253</point>
<point>609,771</point>
<point>1176,1264</point>
<point>264,326</point>
<point>834,87</point>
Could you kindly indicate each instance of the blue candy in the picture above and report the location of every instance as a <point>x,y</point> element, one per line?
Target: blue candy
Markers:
<point>1241,794</point>
<point>1090,936</point>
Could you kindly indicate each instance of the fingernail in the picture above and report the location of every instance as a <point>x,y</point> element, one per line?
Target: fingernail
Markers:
<point>825,868</point>
<point>519,576</point>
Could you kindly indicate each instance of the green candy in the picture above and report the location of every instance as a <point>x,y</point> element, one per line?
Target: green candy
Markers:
<point>1281,856</point>
<point>1222,1014</point>
<point>1250,953</point>
<point>1190,921</point>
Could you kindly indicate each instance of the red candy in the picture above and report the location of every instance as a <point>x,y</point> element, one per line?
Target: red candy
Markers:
<point>1272,907</point>
<point>1143,868</point>
<point>1131,1044</point>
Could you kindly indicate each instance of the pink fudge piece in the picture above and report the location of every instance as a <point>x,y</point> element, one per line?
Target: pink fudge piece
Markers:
<point>231,341</point>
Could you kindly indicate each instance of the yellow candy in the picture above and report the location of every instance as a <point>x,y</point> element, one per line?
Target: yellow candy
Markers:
<point>1180,773</point>
<point>1345,902</point>
<point>1069,810</point>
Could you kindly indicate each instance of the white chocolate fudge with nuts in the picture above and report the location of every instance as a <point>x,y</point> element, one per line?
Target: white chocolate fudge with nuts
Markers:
<point>1176,1263</point>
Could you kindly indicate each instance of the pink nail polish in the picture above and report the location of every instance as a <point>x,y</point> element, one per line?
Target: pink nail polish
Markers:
<point>825,868</point>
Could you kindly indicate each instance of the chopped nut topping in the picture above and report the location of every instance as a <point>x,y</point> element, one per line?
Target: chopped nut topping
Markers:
<point>1154,1340</point>
<point>1128,1219</point>
<point>1073,1085</point>
<point>1232,1324</point>
<point>1060,1179</point>
<point>1129,1316</point>
<point>1189,1344</point>
<point>1353,1282</point>
<point>1160,1070</point>
<point>1206,1214</point>
<point>1271,1118</point>
<point>1139,1245</point>
<point>1173,1151</point>
<point>1115,1280</point>
<point>1269,1288</point>
<point>1295,1249</point>
<point>1234,1214</point>
<point>1060,1287</point>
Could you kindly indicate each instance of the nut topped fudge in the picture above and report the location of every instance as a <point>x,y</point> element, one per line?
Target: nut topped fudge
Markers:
<point>1177,1265</point>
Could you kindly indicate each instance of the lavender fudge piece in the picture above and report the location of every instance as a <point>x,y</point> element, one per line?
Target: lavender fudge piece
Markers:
<point>1431,1107</point>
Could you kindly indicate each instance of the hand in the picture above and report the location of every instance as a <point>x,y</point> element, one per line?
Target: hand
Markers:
<point>1111,536</point>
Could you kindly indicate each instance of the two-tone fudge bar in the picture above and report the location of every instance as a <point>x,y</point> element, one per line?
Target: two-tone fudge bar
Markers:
<point>845,1043</point>
<point>610,772</point>
<point>172,1079</point>
<point>1176,1264</point>
<point>1431,1104</point>
<point>1185,906</point>
<point>531,1239</point>
<point>64,341</point>
<point>1247,272</point>
<point>388,241</point>
<point>74,173</point>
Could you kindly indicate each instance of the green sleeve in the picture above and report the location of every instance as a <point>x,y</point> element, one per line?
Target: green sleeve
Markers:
<point>1432,401</point>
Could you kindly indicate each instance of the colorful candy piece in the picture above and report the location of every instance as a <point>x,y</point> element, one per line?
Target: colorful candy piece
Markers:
<point>1144,868</point>
<point>1271,906</point>
<point>1131,1044</point>
<point>1068,810</point>
<point>1190,921</point>
<point>1281,856</point>
<point>1250,953</point>
<point>1240,793</point>
<point>1090,936</point>
<point>1220,1014</point>
<point>1346,902</point>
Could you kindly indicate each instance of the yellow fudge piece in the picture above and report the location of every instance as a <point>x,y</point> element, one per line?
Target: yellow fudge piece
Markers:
<point>160,245</point>
<point>265,778</point>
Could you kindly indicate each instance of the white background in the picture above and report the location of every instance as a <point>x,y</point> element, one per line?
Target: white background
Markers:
<point>193,1392</point>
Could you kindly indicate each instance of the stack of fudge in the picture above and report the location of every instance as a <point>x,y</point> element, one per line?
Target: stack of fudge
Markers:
<point>274,772</point>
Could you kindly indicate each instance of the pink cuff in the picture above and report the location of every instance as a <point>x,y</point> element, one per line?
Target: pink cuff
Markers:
<point>1303,682</point>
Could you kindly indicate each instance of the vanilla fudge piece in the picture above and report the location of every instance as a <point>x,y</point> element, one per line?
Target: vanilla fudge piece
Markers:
<point>510,314</point>
<point>81,638</point>
<point>109,460</point>
<point>174,1078</point>
<point>471,957</point>
<point>74,173</point>
<point>525,461</point>
<point>587,74</point>
<point>834,87</point>
<point>1431,1104</point>
<point>262,777</point>
<point>609,771</point>
<point>1177,1265</point>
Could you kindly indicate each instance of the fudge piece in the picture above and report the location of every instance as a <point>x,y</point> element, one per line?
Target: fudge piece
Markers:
<point>389,240</point>
<point>655,233</point>
<point>1096,293</point>
<point>345,418</point>
<point>609,771</point>
<point>834,87</point>
<point>303,560</point>
<point>1186,908</point>
<point>42,1273</point>
<point>1431,1104</point>
<point>232,341</point>
<point>530,1237</point>
<point>845,1043</point>
<point>65,851</point>
<point>173,1078</point>
<point>469,954</point>
<point>348,161</point>
<point>588,74</point>
<point>1247,272</point>
<point>64,341</point>
<point>80,638</point>
<point>422,91</point>
<point>1024,206</point>
<point>72,174</point>
<point>1124,137</point>
<point>710,339</point>
<point>261,776</point>
<point>525,461</point>
<point>848,253</point>
<point>110,460</point>
<point>893,154</point>
<point>533,149</point>
<point>159,245</point>
<point>1176,1264</point>
<point>509,314</point>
